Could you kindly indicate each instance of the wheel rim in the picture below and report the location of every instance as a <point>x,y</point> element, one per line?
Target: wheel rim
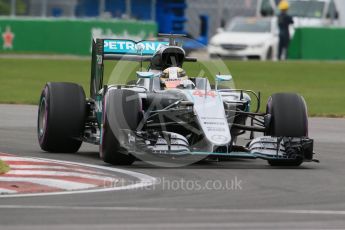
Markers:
<point>42,121</point>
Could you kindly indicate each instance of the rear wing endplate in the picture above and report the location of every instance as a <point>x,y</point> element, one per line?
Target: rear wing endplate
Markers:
<point>118,49</point>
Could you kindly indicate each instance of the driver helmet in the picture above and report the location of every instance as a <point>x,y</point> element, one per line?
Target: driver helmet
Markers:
<point>172,77</point>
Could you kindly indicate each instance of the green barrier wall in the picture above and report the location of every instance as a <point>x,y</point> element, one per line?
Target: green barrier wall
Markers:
<point>318,44</point>
<point>65,36</point>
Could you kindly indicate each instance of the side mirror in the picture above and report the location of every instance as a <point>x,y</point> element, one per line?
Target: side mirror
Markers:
<point>220,78</point>
<point>223,77</point>
<point>145,74</point>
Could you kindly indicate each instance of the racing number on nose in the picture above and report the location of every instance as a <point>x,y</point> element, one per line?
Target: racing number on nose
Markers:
<point>201,93</point>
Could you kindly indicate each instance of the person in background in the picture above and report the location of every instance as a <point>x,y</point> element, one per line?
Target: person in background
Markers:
<point>284,21</point>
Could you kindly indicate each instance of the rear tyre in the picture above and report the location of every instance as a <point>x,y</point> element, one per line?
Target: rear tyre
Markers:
<point>288,119</point>
<point>121,110</point>
<point>61,117</point>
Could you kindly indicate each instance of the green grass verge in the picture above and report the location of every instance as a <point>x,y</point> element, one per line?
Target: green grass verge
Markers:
<point>321,83</point>
<point>3,167</point>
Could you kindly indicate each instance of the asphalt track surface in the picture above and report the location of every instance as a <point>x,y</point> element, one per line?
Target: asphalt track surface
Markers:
<point>309,197</point>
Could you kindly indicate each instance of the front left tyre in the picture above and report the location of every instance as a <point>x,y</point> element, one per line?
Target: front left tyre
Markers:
<point>61,117</point>
<point>289,118</point>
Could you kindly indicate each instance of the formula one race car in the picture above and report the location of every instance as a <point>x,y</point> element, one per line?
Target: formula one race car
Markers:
<point>165,115</point>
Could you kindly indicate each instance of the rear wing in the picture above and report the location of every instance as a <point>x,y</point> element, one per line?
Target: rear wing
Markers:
<point>121,49</point>
<point>118,49</point>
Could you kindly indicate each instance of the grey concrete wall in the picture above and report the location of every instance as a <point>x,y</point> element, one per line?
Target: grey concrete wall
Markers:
<point>217,10</point>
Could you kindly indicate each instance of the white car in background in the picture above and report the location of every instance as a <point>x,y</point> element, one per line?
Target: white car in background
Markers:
<point>246,38</point>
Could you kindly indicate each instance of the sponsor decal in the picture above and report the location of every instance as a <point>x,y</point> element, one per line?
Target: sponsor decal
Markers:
<point>108,33</point>
<point>131,47</point>
<point>215,129</point>
<point>219,138</point>
<point>8,38</point>
<point>172,83</point>
<point>98,105</point>
<point>99,59</point>
<point>214,123</point>
<point>212,118</point>
<point>131,139</point>
<point>202,93</point>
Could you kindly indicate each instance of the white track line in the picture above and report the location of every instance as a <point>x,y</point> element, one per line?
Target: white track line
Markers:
<point>39,167</point>
<point>3,190</point>
<point>55,183</point>
<point>195,210</point>
<point>59,173</point>
<point>14,167</point>
<point>12,158</point>
<point>144,180</point>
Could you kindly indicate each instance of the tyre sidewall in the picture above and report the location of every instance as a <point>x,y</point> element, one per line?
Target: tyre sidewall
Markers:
<point>288,115</point>
<point>65,106</point>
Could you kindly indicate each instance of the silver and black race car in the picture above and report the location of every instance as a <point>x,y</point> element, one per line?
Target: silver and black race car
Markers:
<point>164,115</point>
